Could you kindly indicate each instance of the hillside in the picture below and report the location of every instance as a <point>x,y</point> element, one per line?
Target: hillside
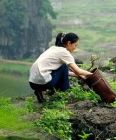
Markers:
<point>93,20</point>
<point>76,114</point>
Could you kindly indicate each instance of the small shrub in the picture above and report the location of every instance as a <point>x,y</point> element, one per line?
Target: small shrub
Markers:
<point>55,122</point>
<point>113,104</point>
<point>29,105</point>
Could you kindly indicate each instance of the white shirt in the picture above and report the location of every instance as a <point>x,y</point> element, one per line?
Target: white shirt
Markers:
<point>51,59</point>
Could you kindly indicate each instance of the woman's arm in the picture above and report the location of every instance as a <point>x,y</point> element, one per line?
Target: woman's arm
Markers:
<point>71,73</point>
<point>78,71</point>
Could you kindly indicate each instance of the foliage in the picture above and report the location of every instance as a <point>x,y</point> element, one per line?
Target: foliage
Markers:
<point>111,138</point>
<point>4,101</point>
<point>113,104</point>
<point>113,84</point>
<point>84,136</point>
<point>55,122</point>
<point>12,21</point>
<point>112,67</point>
<point>80,94</point>
<point>46,9</point>
<point>94,22</point>
<point>10,116</point>
<point>55,115</point>
<point>29,105</point>
<point>19,27</point>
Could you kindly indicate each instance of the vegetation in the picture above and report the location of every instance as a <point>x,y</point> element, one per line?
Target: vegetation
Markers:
<point>94,22</point>
<point>19,114</point>
<point>52,117</point>
<point>10,116</point>
<point>54,114</point>
<point>21,23</point>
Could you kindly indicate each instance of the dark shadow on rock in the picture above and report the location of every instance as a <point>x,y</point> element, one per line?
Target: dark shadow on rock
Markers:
<point>96,120</point>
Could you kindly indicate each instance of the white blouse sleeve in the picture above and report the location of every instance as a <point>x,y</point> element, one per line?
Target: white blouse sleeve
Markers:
<point>67,58</point>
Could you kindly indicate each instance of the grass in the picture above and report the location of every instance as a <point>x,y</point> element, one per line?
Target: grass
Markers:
<point>113,85</point>
<point>11,116</point>
<point>97,22</point>
<point>54,114</point>
<point>98,27</point>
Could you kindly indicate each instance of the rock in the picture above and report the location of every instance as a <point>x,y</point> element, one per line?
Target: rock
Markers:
<point>97,120</point>
<point>113,60</point>
<point>78,61</point>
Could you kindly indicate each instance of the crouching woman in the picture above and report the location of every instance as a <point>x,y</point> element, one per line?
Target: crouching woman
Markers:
<point>51,69</point>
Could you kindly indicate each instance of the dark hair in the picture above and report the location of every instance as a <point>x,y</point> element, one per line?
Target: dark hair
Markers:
<point>62,39</point>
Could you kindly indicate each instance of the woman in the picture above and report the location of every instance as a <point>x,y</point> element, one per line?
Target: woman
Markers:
<point>51,69</point>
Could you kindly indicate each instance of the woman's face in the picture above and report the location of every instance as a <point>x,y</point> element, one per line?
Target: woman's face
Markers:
<point>72,46</point>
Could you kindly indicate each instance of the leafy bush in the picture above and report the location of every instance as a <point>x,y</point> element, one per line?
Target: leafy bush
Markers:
<point>55,122</point>
<point>29,105</point>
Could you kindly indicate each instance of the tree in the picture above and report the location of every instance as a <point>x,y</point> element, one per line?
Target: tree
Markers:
<point>25,30</point>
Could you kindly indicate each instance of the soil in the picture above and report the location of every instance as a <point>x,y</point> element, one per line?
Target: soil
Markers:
<point>97,120</point>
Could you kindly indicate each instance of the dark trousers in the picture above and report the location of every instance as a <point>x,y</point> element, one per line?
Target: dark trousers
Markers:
<point>60,80</point>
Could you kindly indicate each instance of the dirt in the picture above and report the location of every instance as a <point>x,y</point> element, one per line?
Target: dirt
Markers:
<point>96,120</point>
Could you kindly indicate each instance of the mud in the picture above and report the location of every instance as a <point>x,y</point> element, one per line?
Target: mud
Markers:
<point>96,120</point>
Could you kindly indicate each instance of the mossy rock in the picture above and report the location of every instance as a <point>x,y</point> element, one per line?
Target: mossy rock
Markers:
<point>113,60</point>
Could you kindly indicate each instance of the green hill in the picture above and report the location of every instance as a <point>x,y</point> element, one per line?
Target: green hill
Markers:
<point>93,20</point>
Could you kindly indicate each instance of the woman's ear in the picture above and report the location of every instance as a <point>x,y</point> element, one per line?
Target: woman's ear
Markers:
<point>68,43</point>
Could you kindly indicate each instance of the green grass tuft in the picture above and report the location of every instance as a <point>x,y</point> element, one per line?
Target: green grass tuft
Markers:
<point>11,116</point>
